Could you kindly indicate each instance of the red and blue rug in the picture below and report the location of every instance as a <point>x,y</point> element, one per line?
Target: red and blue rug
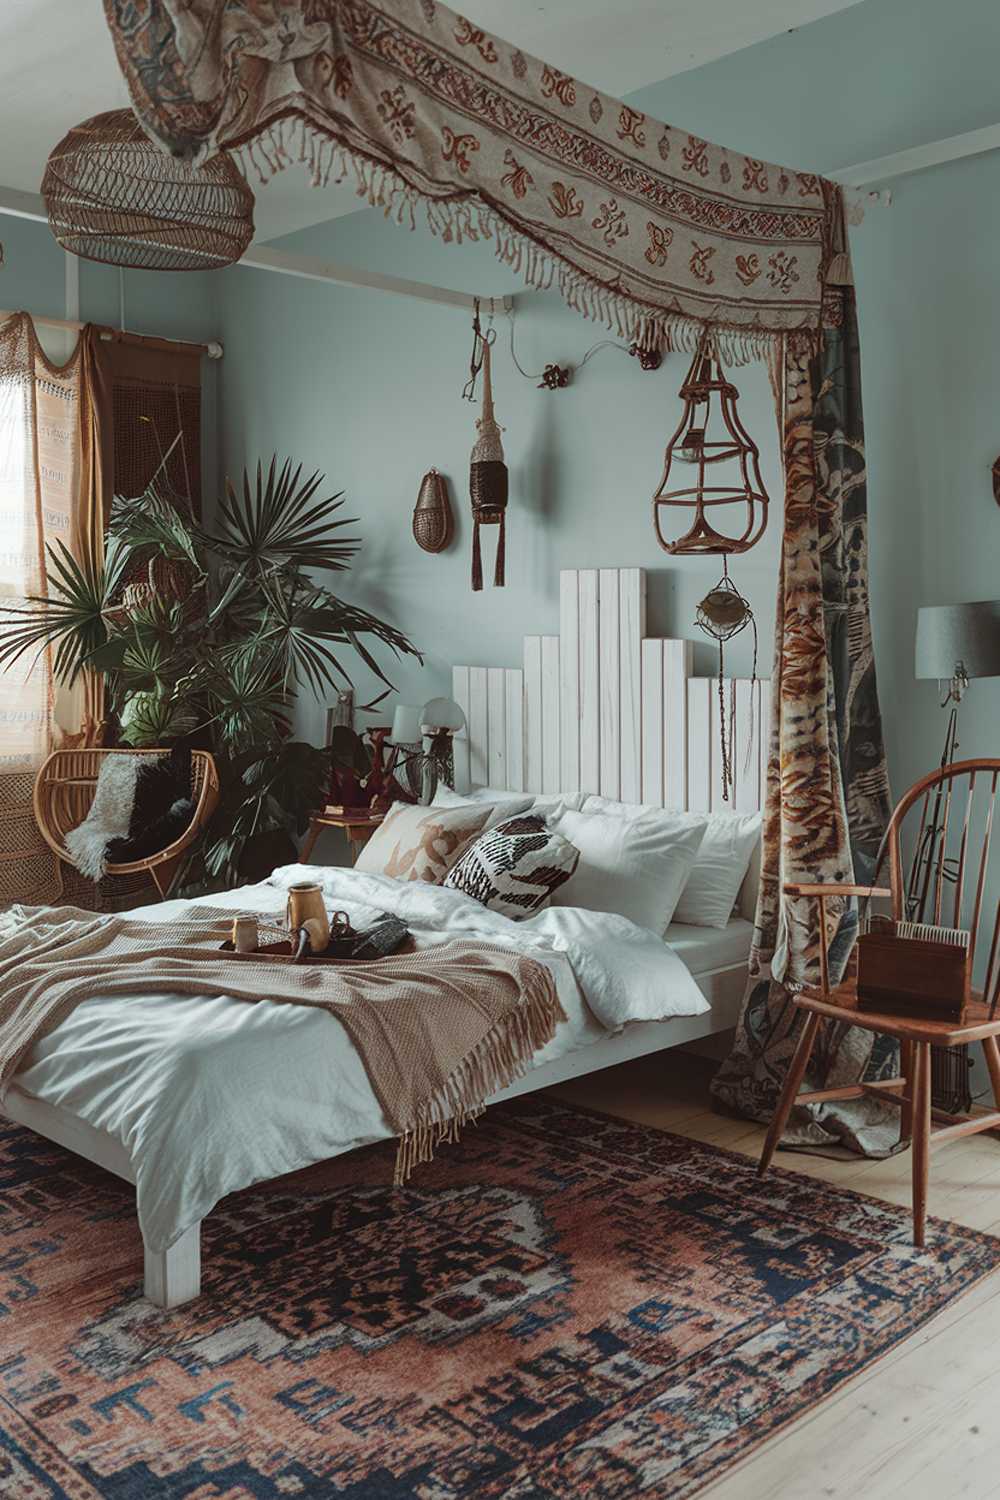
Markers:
<point>563,1305</point>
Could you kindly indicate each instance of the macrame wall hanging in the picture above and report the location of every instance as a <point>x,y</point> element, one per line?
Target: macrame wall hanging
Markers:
<point>488,479</point>
<point>712,439</point>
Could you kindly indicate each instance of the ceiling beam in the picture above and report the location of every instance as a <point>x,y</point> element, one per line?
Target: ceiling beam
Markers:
<point>287,263</point>
<point>919,158</point>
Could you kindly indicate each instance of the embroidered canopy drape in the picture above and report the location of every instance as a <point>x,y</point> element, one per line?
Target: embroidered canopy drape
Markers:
<point>644,225</point>
<point>658,233</point>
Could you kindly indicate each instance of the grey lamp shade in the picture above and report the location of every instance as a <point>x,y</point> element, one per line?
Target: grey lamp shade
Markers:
<point>949,634</point>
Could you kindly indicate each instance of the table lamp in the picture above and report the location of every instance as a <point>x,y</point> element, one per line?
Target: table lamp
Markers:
<point>955,643</point>
<point>440,720</point>
<point>408,740</point>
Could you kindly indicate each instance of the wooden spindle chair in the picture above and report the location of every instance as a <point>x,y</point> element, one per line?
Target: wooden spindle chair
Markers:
<point>946,883</point>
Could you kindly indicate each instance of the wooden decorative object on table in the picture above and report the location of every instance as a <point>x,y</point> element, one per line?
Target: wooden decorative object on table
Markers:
<point>432,519</point>
<point>923,999</point>
<point>710,433</point>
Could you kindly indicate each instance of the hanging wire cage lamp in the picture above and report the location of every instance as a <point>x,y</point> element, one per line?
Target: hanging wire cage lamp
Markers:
<point>711,433</point>
<point>112,195</point>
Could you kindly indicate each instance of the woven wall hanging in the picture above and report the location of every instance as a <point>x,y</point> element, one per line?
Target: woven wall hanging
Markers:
<point>432,519</point>
<point>488,479</point>
<point>112,195</point>
<point>713,441</point>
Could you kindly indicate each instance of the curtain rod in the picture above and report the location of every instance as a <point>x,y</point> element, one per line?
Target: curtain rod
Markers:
<point>213,349</point>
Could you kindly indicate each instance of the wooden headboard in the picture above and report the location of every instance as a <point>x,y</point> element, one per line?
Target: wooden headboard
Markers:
<point>602,708</point>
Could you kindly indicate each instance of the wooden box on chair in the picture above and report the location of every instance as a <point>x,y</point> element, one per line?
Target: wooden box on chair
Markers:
<point>909,969</point>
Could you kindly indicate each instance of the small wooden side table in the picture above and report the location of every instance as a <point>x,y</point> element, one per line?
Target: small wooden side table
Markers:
<point>359,827</point>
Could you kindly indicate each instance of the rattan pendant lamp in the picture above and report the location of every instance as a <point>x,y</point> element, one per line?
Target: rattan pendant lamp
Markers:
<point>112,195</point>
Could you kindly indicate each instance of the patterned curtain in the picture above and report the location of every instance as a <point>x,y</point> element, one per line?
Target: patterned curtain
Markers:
<point>828,789</point>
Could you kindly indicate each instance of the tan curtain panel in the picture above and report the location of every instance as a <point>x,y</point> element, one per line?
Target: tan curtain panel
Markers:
<point>150,410</point>
<point>645,226</point>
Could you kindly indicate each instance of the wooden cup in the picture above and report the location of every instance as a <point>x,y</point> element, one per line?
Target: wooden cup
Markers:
<point>306,908</point>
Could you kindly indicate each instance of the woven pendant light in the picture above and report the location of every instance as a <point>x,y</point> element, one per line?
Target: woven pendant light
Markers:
<point>711,434</point>
<point>432,520</point>
<point>112,195</point>
<point>488,482</point>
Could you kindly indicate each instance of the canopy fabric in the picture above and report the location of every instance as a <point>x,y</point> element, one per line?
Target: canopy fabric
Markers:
<point>649,228</point>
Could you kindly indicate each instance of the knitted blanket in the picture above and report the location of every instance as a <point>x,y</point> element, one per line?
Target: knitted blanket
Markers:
<point>438,1032</point>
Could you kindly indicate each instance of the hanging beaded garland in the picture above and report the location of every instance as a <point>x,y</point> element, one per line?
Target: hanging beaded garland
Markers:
<point>722,614</point>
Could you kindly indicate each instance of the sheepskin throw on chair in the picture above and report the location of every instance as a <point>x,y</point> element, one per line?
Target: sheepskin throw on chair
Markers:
<point>659,234</point>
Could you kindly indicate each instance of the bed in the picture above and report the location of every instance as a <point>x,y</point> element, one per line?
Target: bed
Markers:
<point>599,709</point>
<point>191,1099</point>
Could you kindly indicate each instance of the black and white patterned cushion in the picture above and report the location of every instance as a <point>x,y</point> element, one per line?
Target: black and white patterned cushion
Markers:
<point>514,867</point>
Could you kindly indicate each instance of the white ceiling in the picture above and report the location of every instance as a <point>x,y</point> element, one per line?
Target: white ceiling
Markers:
<point>57,66</point>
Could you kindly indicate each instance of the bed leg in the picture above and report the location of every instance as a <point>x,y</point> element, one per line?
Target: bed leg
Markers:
<point>174,1276</point>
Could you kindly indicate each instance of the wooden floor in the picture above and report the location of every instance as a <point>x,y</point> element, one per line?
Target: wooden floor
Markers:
<point>922,1423</point>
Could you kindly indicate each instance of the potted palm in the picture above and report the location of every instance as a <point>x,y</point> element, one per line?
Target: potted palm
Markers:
<point>206,635</point>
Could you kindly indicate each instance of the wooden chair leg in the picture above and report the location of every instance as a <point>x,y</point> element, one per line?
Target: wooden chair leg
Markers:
<point>793,1082</point>
<point>992,1053</point>
<point>921,1137</point>
<point>906,1072</point>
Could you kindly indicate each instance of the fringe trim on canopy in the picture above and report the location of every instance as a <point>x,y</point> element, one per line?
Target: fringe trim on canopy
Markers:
<point>500,1057</point>
<point>456,219</point>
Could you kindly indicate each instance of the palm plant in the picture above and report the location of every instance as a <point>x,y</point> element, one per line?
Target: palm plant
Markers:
<point>208,636</point>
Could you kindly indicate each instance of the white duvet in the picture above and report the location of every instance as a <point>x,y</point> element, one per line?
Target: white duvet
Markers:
<point>209,1095</point>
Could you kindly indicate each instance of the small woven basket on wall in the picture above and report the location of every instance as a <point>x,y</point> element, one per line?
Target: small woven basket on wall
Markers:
<point>433,525</point>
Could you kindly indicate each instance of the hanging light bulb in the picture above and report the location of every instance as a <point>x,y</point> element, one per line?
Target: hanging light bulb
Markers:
<point>710,406</point>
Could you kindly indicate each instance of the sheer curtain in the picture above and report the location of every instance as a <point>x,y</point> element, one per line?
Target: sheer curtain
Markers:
<point>43,420</point>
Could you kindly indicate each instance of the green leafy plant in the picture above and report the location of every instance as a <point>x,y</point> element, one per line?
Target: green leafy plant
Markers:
<point>207,636</point>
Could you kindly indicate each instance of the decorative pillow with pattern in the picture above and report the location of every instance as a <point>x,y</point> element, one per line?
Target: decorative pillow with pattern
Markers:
<point>514,867</point>
<point>422,843</point>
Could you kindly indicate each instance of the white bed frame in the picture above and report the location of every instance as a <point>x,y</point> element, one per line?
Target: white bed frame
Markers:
<point>599,708</point>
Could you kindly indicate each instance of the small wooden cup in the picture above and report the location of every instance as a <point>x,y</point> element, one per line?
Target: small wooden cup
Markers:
<point>306,908</point>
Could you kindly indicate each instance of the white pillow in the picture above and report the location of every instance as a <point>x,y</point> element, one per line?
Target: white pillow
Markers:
<point>551,806</point>
<point>714,884</point>
<point>635,867</point>
<point>501,804</point>
<point>720,868</point>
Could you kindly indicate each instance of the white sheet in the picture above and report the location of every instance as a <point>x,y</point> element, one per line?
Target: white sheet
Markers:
<point>210,1095</point>
<point>706,948</point>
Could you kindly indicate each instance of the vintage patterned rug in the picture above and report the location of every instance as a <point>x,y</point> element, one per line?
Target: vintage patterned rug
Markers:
<point>563,1305</point>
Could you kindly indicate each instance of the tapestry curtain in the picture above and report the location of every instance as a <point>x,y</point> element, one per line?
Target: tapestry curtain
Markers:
<point>650,228</point>
<point>828,797</point>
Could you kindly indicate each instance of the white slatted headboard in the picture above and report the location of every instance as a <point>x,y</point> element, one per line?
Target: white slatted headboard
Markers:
<point>602,708</point>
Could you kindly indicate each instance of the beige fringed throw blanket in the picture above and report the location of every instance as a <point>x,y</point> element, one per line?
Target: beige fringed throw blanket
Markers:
<point>438,1032</point>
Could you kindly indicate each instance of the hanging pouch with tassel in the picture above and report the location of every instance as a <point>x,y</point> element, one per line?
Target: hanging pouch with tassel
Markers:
<point>488,483</point>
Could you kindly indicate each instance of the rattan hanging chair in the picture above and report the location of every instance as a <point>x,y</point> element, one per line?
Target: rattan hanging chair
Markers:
<point>64,790</point>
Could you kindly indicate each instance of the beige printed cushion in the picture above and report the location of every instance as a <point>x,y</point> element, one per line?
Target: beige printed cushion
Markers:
<point>422,843</point>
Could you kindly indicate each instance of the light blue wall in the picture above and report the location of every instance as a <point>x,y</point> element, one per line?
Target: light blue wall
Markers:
<point>179,305</point>
<point>367,387</point>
